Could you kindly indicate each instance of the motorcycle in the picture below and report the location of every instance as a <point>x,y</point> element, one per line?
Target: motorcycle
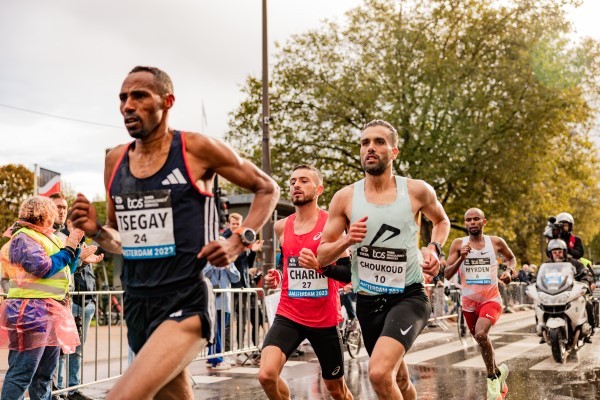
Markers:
<point>560,309</point>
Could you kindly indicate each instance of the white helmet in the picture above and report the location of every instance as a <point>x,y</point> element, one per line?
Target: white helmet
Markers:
<point>557,244</point>
<point>565,217</point>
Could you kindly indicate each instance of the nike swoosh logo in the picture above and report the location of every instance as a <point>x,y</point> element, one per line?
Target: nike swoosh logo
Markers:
<point>404,332</point>
<point>482,253</point>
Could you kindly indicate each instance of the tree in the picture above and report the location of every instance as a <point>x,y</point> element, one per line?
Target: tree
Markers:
<point>16,184</point>
<point>492,103</point>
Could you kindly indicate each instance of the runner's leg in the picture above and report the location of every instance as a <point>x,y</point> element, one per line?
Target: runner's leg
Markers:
<point>166,354</point>
<point>272,360</point>
<point>384,368</point>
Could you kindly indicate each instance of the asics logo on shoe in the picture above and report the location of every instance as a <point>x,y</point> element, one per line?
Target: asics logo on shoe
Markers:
<point>405,331</point>
<point>175,178</point>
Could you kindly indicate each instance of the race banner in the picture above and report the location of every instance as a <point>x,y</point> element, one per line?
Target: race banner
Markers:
<point>49,182</point>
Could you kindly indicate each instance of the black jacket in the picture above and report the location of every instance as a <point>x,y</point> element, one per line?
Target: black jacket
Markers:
<point>574,246</point>
<point>243,263</point>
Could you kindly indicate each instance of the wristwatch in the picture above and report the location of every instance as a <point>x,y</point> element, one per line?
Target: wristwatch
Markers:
<point>247,235</point>
<point>438,248</point>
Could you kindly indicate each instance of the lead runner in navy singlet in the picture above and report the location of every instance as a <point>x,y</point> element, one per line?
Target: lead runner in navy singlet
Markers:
<point>161,216</point>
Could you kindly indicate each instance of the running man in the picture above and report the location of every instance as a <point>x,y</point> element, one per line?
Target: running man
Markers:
<point>161,216</point>
<point>309,307</point>
<point>381,216</point>
<point>476,256</point>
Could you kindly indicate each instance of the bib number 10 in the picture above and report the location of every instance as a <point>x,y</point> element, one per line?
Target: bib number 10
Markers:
<point>379,278</point>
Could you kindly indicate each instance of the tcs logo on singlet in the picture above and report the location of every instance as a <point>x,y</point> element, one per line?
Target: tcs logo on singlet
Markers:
<point>135,203</point>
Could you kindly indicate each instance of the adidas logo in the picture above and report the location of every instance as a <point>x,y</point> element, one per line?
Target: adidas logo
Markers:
<point>174,178</point>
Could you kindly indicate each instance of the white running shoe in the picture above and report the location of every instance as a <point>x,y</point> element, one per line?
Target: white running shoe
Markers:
<point>503,375</point>
<point>493,389</point>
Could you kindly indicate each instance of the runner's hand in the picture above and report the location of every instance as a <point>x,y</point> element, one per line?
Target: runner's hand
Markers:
<point>221,253</point>
<point>84,216</point>
<point>357,231</point>
<point>308,259</point>
<point>431,263</point>
<point>272,279</point>
<point>257,246</point>
<point>465,250</point>
<point>506,277</point>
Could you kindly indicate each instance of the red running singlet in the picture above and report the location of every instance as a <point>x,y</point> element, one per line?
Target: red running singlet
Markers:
<point>307,297</point>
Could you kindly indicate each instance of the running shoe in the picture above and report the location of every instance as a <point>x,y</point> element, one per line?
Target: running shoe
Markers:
<point>493,389</point>
<point>503,375</point>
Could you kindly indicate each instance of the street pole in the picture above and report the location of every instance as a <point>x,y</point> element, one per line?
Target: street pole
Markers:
<point>268,245</point>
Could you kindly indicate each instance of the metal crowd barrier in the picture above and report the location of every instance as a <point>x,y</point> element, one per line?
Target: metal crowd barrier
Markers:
<point>243,334</point>
<point>248,326</point>
<point>444,300</point>
<point>106,336</point>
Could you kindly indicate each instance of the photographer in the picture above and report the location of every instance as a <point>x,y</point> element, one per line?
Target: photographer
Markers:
<point>561,227</point>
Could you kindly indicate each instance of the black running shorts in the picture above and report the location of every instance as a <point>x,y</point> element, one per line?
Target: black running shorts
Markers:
<point>326,342</point>
<point>144,314</point>
<point>400,316</point>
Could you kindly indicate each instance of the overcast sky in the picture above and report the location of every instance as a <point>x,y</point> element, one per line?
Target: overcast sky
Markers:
<point>68,58</point>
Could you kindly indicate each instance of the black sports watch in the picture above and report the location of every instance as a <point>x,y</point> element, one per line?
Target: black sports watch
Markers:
<point>438,248</point>
<point>247,235</point>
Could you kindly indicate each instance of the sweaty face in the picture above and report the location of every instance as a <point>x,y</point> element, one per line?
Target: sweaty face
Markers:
<point>376,150</point>
<point>558,255</point>
<point>61,206</point>
<point>304,187</point>
<point>474,222</point>
<point>141,104</point>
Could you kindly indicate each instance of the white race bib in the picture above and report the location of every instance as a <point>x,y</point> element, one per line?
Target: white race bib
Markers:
<point>381,269</point>
<point>145,221</point>
<point>304,282</point>
<point>478,271</point>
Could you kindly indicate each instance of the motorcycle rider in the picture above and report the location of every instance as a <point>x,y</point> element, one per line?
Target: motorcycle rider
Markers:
<point>564,222</point>
<point>558,252</point>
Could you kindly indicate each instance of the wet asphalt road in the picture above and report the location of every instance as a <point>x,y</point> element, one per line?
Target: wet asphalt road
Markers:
<point>441,368</point>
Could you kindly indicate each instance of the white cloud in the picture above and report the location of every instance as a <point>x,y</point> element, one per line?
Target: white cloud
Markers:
<point>69,57</point>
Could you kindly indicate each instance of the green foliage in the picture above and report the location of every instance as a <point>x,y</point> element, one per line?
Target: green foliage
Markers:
<point>16,184</point>
<point>493,105</point>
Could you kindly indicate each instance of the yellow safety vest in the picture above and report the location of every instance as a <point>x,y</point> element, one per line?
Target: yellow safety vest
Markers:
<point>585,262</point>
<point>29,286</point>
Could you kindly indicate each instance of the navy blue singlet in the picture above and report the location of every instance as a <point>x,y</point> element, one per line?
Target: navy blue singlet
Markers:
<point>164,220</point>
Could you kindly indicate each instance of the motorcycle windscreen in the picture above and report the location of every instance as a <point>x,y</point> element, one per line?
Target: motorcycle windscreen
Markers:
<point>555,277</point>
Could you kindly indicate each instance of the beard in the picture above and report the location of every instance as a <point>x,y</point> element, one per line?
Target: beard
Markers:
<point>475,231</point>
<point>300,201</point>
<point>375,170</point>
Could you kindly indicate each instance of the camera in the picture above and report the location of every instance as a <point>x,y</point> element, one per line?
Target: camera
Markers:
<point>553,229</point>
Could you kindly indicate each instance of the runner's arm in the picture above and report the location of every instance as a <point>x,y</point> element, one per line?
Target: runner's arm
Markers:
<point>334,242</point>
<point>84,214</point>
<point>509,258</point>
<point>434,211</point>
<point>209,156</point>
<point>340,271</point>
<point>455,258</point>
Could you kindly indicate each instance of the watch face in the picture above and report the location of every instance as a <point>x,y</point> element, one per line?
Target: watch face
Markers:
<point>249,236</point>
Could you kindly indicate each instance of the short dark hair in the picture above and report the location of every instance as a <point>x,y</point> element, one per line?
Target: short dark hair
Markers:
<point>57,195</point>
<point>163,81</point>
<point>317,173</point>
<point>385,124</point>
